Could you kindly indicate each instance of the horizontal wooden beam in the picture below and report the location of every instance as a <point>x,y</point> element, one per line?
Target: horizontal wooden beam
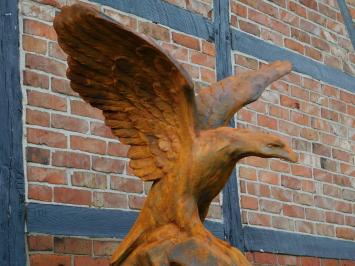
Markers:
<point>281,242</point>
<point>81,221</point>
<point>258,48</point>
<point>165,14</point>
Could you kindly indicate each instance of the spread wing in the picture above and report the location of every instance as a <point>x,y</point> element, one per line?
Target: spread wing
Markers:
<point>217,104</point>
<point>146,97</point>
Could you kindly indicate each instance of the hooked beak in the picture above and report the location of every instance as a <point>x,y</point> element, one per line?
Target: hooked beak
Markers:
<point>289,155</point>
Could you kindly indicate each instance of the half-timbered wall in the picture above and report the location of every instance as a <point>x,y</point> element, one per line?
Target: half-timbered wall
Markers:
<point>81,197</point>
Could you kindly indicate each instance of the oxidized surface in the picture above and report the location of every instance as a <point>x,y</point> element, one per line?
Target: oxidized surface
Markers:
<point>178,139</point>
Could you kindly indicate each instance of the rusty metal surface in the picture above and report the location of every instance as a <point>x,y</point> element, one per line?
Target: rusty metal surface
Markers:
<point>178,140</point>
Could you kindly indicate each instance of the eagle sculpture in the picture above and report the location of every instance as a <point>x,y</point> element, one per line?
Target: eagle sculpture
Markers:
<point>178,139</point>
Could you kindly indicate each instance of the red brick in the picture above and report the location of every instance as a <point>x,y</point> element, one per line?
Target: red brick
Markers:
<point>99,129</point>
<point>341,155</point>
<point>279,166</point>
<point>305,227</point>
<point>310,261</point>
<point>155,31</point>
<point>34,45</point>
<point>323,202</point>
<point>313,53</point>
<point>117,149</point>
<point>331,190</point>
<point>126,184</point>
<point>47,175</point>
<point>62,86</point>
<point>107,165</point>
<point>72,196</point>
<point>56,52</point>
<point>290,182</point>
<point>40,242</point>
<point>88,144</point>
<point>89,261</point>
<point>69,123</point>
<point>46,137</point>
<point>286,260</point>
<point>37,155</point>
<point>104,248</point>
<point>293,211</point>
<point>186,40</point>
<point>84,109</point>
<point>334,218</point>
<point>35,79</point>
<point>202,59</point>
<point>289,102</point>
<point>68,245</point>
<point>289,128</point>
<point>207,75</point>
<point>46,100</point>
<point>345,232</point>
<point>330,262</point>
<point>283,223</point>
<point>71,160</point>
<point>45,64</point>
<point>281,194</point>
<point>259,219</point>
<point>321,149</point>
<point>135,202</point>
<point>269,177</point>
<point>249,202</point>
<point>89,180</point>
<point>39,29</point>
<point>247,173</point>
<point>208,48</point>
<point>34,117</point>
<point>265,258</point>
<point>293,45</point>
<point>37,192</point>
<point>301,170</point>
<point>268,122</point>
<point>298,9</point>
<point>49,260</point>
<point>249,27</point>
<point>110,200</point>
<point>258,189</point>
<point>270,206</point>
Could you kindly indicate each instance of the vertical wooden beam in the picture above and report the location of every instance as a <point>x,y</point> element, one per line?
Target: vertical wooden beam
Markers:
<point>231,209</point>
<point>12,212</point>
<point>348,21</point>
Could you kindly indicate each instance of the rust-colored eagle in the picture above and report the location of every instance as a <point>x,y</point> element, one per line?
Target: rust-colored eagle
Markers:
<point>178,139</point>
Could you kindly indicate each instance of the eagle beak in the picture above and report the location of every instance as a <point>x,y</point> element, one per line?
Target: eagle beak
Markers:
<point>289,155</point>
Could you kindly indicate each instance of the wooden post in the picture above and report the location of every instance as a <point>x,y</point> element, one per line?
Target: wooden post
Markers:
<point>233,229</point>
<point>12,212</point>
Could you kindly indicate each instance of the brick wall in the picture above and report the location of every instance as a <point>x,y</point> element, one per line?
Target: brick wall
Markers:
<point>351,7</point>
<point>71,158</point>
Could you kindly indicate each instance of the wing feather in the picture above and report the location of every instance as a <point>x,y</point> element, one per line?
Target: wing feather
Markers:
<point>146,96</point>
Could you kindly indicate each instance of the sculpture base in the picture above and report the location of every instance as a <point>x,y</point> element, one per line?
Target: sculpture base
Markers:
<point>169,246</point>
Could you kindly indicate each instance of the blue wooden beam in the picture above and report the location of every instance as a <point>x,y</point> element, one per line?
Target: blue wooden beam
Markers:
<point>12,222</point>
<point>281,242</point>
<point>165,14</point>
<point>90,222</point>
<point>260,49</point>
<point>231,209</point>
<point>348,21</point>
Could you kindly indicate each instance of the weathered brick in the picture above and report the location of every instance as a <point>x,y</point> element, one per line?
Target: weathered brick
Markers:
<point>186,41</point>
<point>46,100</point>
<point>110,200</point>
<point>37,155</point>
<point>45,64</point>
<point>38,192</point>
<point>68,245</point>
<point>69,123</point>
<point>89,180</point>
<point>88,144</point>
<point>71,159</point>
<point>46,137</point>
<point>46,175</point>
<point>40,243</point>
<point>72,196</point>
<point>49,260</point>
